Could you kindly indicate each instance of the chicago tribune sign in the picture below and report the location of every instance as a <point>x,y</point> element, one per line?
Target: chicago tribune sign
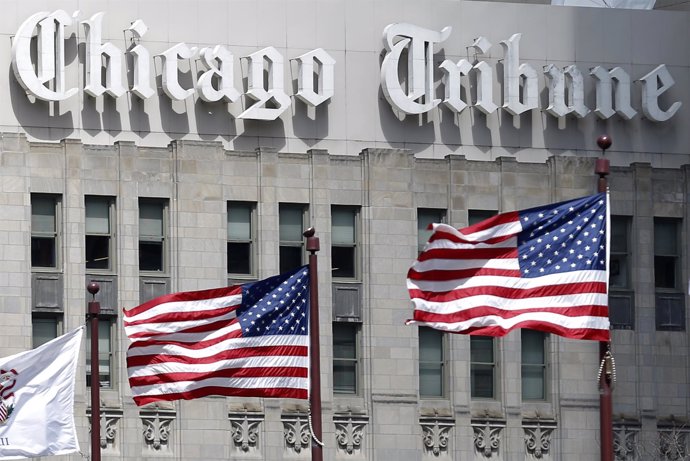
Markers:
<point>42,74</point>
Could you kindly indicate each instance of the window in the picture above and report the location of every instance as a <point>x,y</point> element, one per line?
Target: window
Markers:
<point>620,257</point>
<point>152,235</point>
<point>105,352</point>
<point>240,245</point>
<point>99,232</point>
<point>621,299</point>
<point>291,226</point>
<point>44,231</point>
<point>533,365</point>
<point>482,367</point>
<point>482,348</point>
<point>426,216</point>
<point>477,216</point>
<point>345,357</point>
<point>670,300</point>
<point>666,254</point>
<point>44,328</point>
<point>431,363</point>
<point>344,241</point>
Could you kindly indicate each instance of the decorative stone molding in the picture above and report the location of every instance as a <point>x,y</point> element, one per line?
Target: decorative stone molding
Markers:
<point>487,437</point>
<point>625,441</point>
<point>296,433</point>
<point>157,422</point>
<point>436,434</point>
<point>110,418</point>
<point>349,432</point>
<point>245,429</point>
<point>673,443</point>
<point>538,437</point>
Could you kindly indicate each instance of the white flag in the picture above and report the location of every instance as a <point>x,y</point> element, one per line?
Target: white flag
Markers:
<point>37,399</point>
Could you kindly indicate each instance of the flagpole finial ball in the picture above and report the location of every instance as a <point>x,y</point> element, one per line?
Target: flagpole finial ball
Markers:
<point>309,232</point>
<point>93,288</point>
<point>604,142</point>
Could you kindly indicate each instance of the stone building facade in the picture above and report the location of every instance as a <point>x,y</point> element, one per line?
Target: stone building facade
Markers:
<point>162,193</point>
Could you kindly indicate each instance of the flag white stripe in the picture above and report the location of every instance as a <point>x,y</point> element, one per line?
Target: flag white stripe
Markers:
<point>187,306</point>
<point>598,323</point>
<point>229,344</point>
<point>230,383</point>
<point>248,362</point>
<point>445,244</point>
<point>499,230</point>
<point>509,304</point>
<point>511,282</point>
<point>462,264</point>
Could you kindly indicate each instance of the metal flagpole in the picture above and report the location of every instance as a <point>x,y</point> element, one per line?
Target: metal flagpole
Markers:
<point>314,354</point>
<point>601,168</point>
<point>92,316</point>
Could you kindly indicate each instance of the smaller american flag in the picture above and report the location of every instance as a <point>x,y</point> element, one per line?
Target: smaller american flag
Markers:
<point>247,340</point>
<point>544,268</point>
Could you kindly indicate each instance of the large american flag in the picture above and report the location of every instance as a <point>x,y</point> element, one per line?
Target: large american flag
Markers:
<point>543,268</point>
<point>248,340</point>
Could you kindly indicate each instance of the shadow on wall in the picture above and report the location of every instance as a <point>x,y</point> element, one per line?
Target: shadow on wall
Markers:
<point>38,118</point>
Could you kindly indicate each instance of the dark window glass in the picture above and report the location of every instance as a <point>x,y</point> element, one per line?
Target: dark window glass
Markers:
<point>533,365</point>
<point>482,366</point>
<point>105,353</point>
<point>240,238</point>
<point>431,363</point>
<point>343,242</point>
<point>98,233</point>
<point>345,358</point>
<point>44,231</point>
<point>152,235</point>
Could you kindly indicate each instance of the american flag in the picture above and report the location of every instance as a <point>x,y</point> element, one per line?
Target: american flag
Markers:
<point>543,268</point>
<point>247,340</point>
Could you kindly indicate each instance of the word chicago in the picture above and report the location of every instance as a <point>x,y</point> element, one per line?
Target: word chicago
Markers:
<point>45,78</point>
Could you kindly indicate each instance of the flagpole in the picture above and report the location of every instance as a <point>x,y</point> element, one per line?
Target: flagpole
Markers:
<point>314,354</point>
<point>92,316</point>
<point>601,168</point>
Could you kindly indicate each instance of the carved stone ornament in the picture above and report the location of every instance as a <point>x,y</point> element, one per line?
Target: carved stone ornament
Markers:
<point>673,444</point>
<point>109,422</point>
<point>487,437</point>
<point>157,422</point>
<point>436,434</point>
<point>244,427</point>
<point>296,432</point>
<point>538,437</point>
<point>349,432</point>
<point>625,442</point>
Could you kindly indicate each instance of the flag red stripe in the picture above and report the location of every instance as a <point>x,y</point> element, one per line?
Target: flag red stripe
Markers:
<point>184,296</point>
<point>510,293</point>
<point>286,392</point>
<point>483,311</point>
<point>263,351</point>
<point>183,316</point>
<point>255,372</point>
<point>573,333</point>
<point>442,275</point>
<point>203,328</point>
<point>469,253</point>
